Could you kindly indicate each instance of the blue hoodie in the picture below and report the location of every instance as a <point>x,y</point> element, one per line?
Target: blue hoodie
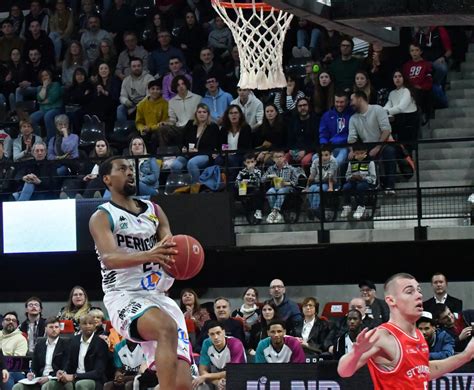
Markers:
<point>329,131</point>
<point>217,104</point>
<point>442,345</point>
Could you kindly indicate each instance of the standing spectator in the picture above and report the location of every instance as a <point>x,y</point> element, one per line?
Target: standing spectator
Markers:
<point>375,307</point>
<point>258,331</point>
<point>23,145</point>
<point>344,68</point>
<point>323,97</point>
<point>29,81</point>
<point>132,50</point>
<point>107,55</point>
<point>133,91</point>
<point>216,99</point>
<point>34,324</point>
<point>74,58</point>
<point>38,39</point>
<point>76,307</point>
<point>200,141</point>
<point>91,38</point>
<point>37,14</point>
<point>176,69</point>
<point>278,347</point>
<point>362,83</point>
<point>334,127</point>
<point>9,41</point>
<point>220,39</point>
<point>159,58</point>
<point>286,98</point>
<point>370,124</point>
<point>152,113</point>
<point>287,310</point>
<point>249,312</point>
<point>251,107</point>
<point>119,18</point>
<point>182,107</point>
<point>191,39</point>
<point>440,342</point>
<point>439,283</point>
<point>50,102</point>
<point>61,26</point>
<point>203,71</point>
<point>345,342</point>
<point>76,97</point>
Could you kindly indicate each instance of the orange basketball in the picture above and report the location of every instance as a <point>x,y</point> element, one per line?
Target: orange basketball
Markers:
<point>190,257</point>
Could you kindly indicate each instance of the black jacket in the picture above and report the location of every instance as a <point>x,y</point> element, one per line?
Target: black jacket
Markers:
<point>303,134</point>
<point>454,304</point>
<point>95,361</point>
<point>317,336</point>
<point>245,138</point>
<point>60,355</point>
<point>209,141</point>
<point>380,311</point>
<point>39,331</point>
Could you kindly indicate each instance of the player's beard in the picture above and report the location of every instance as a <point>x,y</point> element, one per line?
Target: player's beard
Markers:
<point>129,189</point>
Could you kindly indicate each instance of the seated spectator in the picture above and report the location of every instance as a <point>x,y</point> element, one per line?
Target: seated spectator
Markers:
<point>128,357</point>
<point>236,138</point>
<point>286,99</point>
<point>231,326</point>
<point>6,176</point>
<point>133,91</point>
<point>155,25</point>
<point>380,66</point>
<point>61,26</point>
<point>203,71</point>
<point>345,342</point>
<point>17,18</point>
<point>251,107</point>
<point>118,17</point>
<point>29,81</point>
<point>152,113</point>
<point>36,177</point>
<point>362,83</point>
<point>220,39</point>
<point>50,102</point>
<point>283,178</point>
<point>278,347</point>
<point>458,329</point>
<point>374,307</point>
<point>5,374</point>
<point>37,13</point>
<point>38,39</point>
<point>12,343</point>
<point>287,310</point>
<point>439,283</point>
<point>248,187</point>
<point>271,134</point>
<point>370,124</point>
<point>159,58</point>
<point>249,312</point>
<point>232,71</point>
<point>49,357</point>
<point>64,147</point>
<point>327,181</point>
<point>258,331</point>
<point>334,127</point>
<point>88,8</point>
<point>76,97</point>
<point>9,41</point>
<point>441,343</point>
<point>148,169</point>
<point>310,78</point>
<point>23,145</point>
<point>6,140</point>
<point>324,91</point>
<point>105,99</point>
<point>303,134</point>
<point>10,79</point>
<point>91,38</point>
<point>307,36</point>
<point>175,69</point>
<point>418,74</point>
<point>74,58</point>
<point>313,331</point>
<point>344,68</point>
<point>216,99</point>
<point>34,324</point>
<point>200,141</point>
<point>76,307</point>
<point>189,304</point>
<point>85,370</point>
<point>107,55</point>
<point>217,350</point>
<point>402,111</point>
<point>191,38</point>
<point>132,50</point>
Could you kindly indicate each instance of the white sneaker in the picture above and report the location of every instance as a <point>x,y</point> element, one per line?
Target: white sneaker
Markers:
<point>359,213</point>
<point>346,210</point>
<point>279,217</point>
<point>258,214</point>
<point>271,217</point>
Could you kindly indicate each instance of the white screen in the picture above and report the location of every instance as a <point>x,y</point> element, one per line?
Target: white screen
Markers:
<point>39,226</point>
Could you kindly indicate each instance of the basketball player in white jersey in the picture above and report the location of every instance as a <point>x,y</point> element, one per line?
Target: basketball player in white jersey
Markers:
<point>131,238</point>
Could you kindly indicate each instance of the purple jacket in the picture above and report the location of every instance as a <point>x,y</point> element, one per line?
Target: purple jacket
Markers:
<point>168,94</point>
<point>69,145</point>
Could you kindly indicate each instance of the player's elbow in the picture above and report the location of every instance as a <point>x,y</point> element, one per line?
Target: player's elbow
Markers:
<point>343,371</point>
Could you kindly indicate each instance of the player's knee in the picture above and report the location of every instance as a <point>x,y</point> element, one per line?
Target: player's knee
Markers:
<point>168,330</point>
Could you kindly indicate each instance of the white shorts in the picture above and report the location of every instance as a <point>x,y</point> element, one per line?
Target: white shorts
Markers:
<point>125,307</point>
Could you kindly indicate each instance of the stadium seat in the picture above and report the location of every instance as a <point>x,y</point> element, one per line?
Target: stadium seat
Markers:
<point>67,326</point>
<point>89,135</point>
<point>335,309</point>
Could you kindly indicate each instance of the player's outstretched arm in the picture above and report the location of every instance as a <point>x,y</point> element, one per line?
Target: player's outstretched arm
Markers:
<point>440,367</point>
<point>364,347</point>
<point>99,228</point>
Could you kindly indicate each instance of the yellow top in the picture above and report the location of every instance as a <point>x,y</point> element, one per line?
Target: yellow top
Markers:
<point>150,113</point>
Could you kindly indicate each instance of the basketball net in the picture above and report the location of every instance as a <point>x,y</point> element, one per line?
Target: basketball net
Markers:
<point>259,31</point>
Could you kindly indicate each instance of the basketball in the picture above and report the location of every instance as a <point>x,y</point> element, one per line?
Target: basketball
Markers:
<point>190,257</point>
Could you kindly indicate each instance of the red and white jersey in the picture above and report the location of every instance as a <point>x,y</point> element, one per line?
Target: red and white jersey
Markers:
<point>412,371</point>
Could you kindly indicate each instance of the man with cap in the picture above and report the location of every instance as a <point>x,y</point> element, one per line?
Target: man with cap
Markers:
<point>440,342</point>
<point>376,308</point>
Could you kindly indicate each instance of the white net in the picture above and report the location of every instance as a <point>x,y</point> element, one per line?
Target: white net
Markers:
<point>259,31</point>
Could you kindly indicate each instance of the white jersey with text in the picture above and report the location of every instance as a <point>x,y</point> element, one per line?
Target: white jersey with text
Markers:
<point>134,233</point>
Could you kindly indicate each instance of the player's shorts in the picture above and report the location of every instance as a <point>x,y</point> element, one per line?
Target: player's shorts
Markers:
<point>126,307</point>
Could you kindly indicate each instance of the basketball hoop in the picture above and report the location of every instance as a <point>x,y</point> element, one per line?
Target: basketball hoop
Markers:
<point>259,31</point>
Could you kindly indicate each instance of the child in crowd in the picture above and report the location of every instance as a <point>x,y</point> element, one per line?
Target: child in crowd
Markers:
<point>361,177</point>
<point>248,184</point>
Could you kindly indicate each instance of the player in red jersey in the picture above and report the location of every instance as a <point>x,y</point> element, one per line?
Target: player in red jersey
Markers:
<point>396,352</point>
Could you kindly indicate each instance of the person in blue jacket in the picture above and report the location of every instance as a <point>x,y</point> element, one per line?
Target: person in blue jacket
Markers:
<point>440,342</point>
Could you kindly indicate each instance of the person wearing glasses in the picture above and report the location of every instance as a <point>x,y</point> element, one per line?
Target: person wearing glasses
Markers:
<point>287,310</point>
<point>34,325</point>
<point>376,308</point>
<point>345,67</point>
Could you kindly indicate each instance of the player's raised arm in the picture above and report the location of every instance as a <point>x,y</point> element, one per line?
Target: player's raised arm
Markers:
<point>100,229</point>
<point>440,367</point>
<point>365,347</point>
